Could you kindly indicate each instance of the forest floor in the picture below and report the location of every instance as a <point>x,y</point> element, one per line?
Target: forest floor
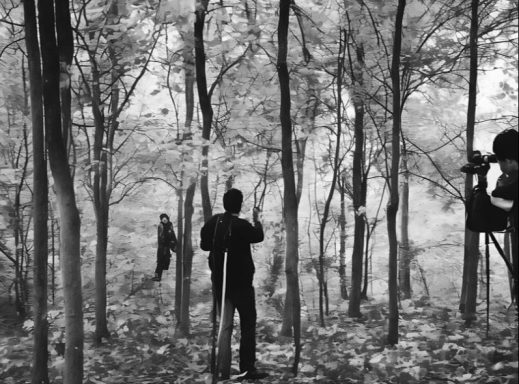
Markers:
<point>434,346</point>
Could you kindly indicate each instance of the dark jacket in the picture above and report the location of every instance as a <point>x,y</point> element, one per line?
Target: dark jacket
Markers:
<point>166,238</point>
<point>507,188</point>
<point>227,232</point>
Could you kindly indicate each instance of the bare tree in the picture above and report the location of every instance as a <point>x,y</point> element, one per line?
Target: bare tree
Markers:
<point>40,373</point>
<point>392,208</point>
<point>64,185</point>
<point>471,253</point>
<point>292,311</point>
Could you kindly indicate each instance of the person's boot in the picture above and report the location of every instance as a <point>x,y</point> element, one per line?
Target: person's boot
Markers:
<point>253,374</point>
<point>156,277</point>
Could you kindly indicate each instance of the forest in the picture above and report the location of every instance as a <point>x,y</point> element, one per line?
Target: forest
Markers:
<point>346,123</point>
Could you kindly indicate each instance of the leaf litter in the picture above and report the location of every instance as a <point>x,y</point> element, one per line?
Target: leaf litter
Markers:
<point>434,347</point>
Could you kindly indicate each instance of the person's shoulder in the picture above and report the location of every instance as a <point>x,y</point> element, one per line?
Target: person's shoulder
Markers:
<point>242,222</point>
<point>214,218</point>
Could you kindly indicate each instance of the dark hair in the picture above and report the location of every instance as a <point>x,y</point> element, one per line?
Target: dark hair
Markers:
<point>164,216</point>
<point>232,200</point>
<point>505,145</point>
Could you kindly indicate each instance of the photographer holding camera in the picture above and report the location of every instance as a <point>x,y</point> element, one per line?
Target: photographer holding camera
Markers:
<point>498,212</point>
<point>504,196</point>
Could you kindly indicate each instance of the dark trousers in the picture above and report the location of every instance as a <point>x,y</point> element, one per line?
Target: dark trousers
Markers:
<point>163,260</point>
<point>242,300</point>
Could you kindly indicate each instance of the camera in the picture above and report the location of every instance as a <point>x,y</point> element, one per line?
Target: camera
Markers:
<point>479,163</point>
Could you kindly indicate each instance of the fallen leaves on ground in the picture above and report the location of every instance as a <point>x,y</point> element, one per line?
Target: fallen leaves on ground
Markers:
<point>434,347</point>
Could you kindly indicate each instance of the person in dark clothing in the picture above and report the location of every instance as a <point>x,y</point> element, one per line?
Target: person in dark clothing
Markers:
<point>505,195</point>
<point>167,241</point>
<point>228,234</point>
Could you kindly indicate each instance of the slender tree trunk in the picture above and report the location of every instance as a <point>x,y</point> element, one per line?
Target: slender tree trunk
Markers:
<point>392,208</point>
<point>342,241</point>
<point>359,225</point>
<point>205,104</point>
<point>180,248</point>
<point>40,356</point>
<point>102,213</point>
<point>405,256</point>
<point>18,286</point>
<point>364,293</point>
<point>184,245</point>
<point>66,54</point>
<point>359,197</point>
<point>104,190</point>
<point>184,324</point>
<point>69,214</point>
<point>324,220</point>
<point>300,165</point>
<point>292,311</point>
<point>471,252</point>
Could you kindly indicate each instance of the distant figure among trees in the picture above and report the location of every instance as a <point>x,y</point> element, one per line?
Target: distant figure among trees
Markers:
<point>167,241</point>
<point>228,239</point>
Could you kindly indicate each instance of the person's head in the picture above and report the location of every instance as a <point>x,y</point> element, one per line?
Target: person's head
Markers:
<point>505,147</point>
<point>164,218</point>
<point>232,200</point>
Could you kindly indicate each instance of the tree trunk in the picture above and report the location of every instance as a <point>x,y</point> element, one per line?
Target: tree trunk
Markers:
<point>364,293</point>
<point>69,214</point>
<point>187,263</point>
<point>471,252</point>
<point>102,212</point>
<point>392,208</point>
<point>40,356</point>
<point>324,220</point>
<point>292,311</point>
<point>359,196</point>
<point>205,104</point>
<point>180,248</point>
<point>342,241</point>
<point>300,164</point>
<point>359,221</point>
<point>184,245</point>
<point>405,256</point>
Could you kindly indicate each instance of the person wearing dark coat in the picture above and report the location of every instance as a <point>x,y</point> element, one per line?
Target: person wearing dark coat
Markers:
<point>506,193</point>
<point>228,234</point>
<point>167,241</point>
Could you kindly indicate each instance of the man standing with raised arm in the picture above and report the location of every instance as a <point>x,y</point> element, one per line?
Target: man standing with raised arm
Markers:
<point>228,238</point>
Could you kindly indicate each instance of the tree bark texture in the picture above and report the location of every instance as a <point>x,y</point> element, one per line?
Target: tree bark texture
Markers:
<point>336,163</point>
<point>404,277</point>
<point>205,104</point>
<point>184,245</point>
<point>180,248</point>
<point>187,263</point>
<point>359,201</point>
<point>358,180</point>
<point>342,241</point>
<point>364,293</point>
<point>64,185</point>
<point>40,356</point>
<point>471,251</point>
<point>392,208</point>
<point>292,311</point>
<point>66,53</point>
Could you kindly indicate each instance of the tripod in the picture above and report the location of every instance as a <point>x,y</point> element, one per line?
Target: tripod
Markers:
<point>488,236</point>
